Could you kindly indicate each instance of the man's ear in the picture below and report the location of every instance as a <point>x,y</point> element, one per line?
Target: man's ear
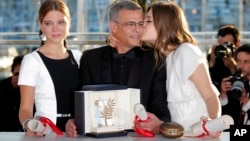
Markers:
<point>112,26</point>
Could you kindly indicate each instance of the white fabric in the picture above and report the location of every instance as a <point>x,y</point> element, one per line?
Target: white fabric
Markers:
<point>33,72</point>
<point>185,102</point>
<point>223,101</point>
<point>246,107</point>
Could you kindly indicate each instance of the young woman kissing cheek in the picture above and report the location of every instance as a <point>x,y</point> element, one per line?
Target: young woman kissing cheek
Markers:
<point>149,33</point>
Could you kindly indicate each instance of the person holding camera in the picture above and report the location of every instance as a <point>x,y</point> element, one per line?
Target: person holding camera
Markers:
<point>221,56</point>
<point>10,99</point>
<point>235,90</point>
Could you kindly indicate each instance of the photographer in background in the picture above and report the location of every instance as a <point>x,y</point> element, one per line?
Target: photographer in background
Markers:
<point>221,56</point>
<point>10,99</point>
<point>235,89</point>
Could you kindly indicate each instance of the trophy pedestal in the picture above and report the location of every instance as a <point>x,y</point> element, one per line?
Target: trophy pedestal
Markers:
<point>107,134</point>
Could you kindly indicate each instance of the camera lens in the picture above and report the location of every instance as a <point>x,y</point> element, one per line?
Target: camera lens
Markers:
<point>237,89</point>
<point>222,51</point>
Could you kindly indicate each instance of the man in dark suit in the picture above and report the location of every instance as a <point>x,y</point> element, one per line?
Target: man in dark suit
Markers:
<point>128,64</point>
<point>10,99</point>
<point>237,105</point>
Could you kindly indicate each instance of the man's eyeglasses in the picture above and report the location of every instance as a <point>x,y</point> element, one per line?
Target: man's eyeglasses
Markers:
<point>131,25</point>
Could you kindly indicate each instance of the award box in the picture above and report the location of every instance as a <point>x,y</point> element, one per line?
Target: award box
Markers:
<point>105,110</point>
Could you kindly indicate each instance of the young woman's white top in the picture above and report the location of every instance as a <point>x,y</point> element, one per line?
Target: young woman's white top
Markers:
<point>33,72</point>
<point>184,100</point>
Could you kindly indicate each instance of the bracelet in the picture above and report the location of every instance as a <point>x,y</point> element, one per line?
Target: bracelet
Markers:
<point>25,122</point>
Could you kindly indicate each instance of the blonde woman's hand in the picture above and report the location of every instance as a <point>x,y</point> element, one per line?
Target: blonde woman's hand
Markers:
<point>30,132</point>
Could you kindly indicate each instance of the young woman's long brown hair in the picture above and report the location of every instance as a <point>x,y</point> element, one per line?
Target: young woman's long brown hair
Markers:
<point>172,29</point>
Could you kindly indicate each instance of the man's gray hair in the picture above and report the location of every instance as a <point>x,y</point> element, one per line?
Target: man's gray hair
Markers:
<point>118,5</point>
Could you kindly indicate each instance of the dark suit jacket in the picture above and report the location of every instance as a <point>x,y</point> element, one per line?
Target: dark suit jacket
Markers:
<point>233,108</point>
<point>9,106</point>
<point>96,68</point>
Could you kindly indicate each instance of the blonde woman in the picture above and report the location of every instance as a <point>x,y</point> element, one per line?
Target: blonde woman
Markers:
<point>49,75</point>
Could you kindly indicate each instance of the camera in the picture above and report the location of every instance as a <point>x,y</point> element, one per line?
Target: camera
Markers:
<point>225,50</point>
<point>239,83</point>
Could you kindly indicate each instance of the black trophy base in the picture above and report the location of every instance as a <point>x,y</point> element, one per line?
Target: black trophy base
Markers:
<point>107,134</point>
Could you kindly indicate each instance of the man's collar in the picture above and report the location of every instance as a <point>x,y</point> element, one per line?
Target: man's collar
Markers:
<point>130,54</point>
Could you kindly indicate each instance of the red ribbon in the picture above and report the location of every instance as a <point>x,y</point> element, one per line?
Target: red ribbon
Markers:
<point>142,132</point>
<point>54,128</point>
<point>204,128</point>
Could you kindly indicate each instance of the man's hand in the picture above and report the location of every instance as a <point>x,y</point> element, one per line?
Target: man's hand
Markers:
<point>153,124</point>
<point>212,57</point>
<point>230,63</point>
<point>244,98</point>
<point>70,128</point>
<point>226,85</point>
